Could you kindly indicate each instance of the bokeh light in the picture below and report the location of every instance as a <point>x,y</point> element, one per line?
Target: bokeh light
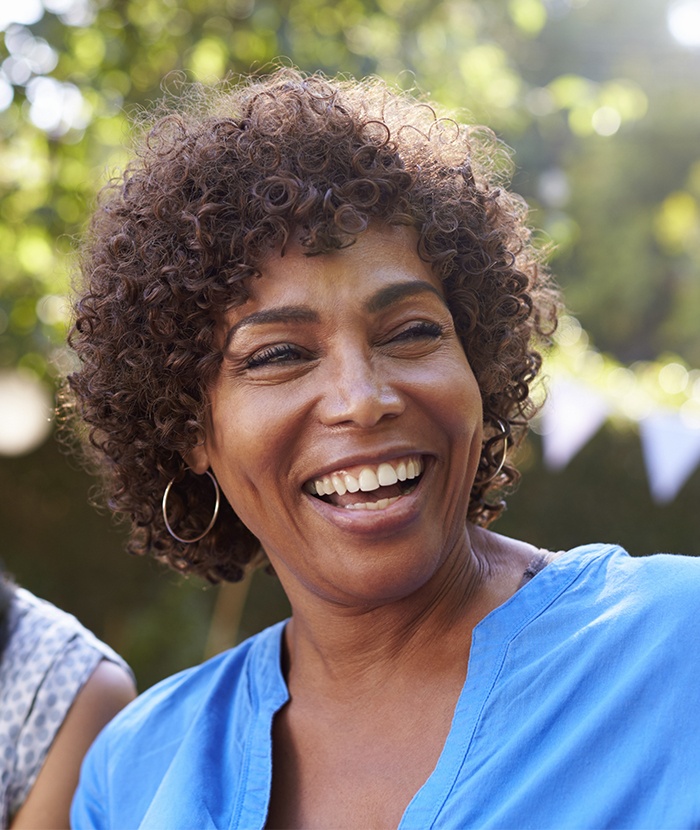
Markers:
<point>20,11</point>
<point>56,107</point>
<point>684,22</point>
<point>26,409</point>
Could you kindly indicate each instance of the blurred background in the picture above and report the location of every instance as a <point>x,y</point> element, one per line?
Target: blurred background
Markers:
<point>600,102</point>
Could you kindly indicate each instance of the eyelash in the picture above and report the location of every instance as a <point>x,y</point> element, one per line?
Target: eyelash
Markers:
<point>424,328</point>
<point>270,355</point>
<point>285,352</point>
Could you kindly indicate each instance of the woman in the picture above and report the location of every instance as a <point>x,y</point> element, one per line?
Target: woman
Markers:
<point>59,685</point>
<point>311,296</point>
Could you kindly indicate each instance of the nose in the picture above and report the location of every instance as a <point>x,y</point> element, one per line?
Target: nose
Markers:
<point>359,392</point>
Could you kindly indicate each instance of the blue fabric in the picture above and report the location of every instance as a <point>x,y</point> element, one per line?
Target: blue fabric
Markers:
<point>581,709</point>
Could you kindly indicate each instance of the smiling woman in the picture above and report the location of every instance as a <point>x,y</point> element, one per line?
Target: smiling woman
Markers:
<point>315,296</point>
<point>339,369</point>
<point>221,188</point>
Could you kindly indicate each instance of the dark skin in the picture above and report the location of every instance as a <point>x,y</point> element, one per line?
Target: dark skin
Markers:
<point>336,366</point>
<point>355,744</point>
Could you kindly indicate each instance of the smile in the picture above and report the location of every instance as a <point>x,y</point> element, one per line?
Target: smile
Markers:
<point>371,487</point>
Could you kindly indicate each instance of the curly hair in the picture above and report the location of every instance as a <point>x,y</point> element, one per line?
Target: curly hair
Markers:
<point>221,179</point>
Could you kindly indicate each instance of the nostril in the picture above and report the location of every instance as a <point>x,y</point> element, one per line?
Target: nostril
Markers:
<point>358,391</point>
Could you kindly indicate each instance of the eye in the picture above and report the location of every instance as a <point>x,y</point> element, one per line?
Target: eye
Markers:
<point>421,329</point>
<point>272,355</point>
<point>414,339</point>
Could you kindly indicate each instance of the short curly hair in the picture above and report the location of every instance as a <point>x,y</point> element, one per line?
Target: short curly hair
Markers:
<point>221,178</point>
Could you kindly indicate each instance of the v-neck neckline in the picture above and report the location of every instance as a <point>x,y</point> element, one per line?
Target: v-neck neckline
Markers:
<point>490,641</point>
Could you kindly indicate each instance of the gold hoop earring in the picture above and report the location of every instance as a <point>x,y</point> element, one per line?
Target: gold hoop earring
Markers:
<point>213,518</point>
<point>506,432</point>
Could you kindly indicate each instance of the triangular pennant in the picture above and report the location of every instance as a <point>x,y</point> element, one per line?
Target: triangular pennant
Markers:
<point>571,416</point>
<point>671,449</point>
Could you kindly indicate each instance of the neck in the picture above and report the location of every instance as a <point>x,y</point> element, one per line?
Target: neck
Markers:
<point>341,646</point>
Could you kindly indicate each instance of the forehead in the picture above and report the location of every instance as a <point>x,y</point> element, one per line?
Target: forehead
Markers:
<point>376,260</point>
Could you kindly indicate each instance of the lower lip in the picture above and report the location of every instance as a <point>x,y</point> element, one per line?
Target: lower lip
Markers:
<point>391,519</point>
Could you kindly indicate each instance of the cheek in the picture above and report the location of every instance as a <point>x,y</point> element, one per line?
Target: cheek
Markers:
<point>249,438</point>
<point>456,405</point>
<point>456,393</point>
<point>230,443</point>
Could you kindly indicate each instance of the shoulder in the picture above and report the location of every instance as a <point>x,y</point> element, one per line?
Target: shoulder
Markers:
<point>670,585</point>
<point>234,679</point>
<point>671,568</point>
<point>616,623</point>
<point>39,627</point>
<point>188,725</point>
<point>49,658</point>
<point>108,689</point>
<point>59,685</point>
<point>656,595</point>
<point>656,575</point>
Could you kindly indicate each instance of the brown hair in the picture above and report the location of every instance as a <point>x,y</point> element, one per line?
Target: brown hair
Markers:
<point>233,173</point>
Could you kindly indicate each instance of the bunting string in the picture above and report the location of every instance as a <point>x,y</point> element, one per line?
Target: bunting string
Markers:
<point>659,399</point>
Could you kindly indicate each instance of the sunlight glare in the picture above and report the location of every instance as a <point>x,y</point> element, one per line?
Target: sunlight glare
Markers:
<point>26,12</point>
<point>683,19</point>
<point>26,409</point>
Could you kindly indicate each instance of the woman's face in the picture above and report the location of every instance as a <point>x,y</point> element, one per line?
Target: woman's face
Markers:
<point>345,423</point>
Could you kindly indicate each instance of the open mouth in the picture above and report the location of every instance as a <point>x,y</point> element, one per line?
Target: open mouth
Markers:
<point>372,487</point>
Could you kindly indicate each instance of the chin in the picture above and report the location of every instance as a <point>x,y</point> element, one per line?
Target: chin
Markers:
<point>377,578</point>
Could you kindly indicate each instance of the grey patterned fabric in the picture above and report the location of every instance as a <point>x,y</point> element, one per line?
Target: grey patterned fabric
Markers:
<point>48,658</point>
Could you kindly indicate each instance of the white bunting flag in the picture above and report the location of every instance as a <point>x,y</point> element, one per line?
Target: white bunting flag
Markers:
<point>571,416</point>
<point>671,447</point>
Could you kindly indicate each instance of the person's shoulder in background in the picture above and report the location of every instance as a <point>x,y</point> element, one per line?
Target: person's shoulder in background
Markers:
<point>59,685</point>
<point>107,691</point>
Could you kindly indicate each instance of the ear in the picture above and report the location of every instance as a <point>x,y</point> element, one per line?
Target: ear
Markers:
<point>197,459</point>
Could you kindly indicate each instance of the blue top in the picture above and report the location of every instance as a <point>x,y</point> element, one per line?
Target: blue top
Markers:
<point>581,709</point>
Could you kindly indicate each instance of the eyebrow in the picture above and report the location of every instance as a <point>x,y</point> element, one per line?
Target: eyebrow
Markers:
<point>383,298</point>
<point>398,291</point>
<point>283,314</point>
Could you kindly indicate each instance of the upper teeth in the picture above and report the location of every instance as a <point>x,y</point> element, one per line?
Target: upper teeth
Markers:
<point>368,478</point>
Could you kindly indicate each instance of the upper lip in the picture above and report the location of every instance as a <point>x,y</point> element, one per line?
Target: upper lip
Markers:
<point>364,460</point>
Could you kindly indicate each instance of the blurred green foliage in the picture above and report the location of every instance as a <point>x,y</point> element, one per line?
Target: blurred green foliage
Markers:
<point>597,99</point>
<point>593,96</point>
